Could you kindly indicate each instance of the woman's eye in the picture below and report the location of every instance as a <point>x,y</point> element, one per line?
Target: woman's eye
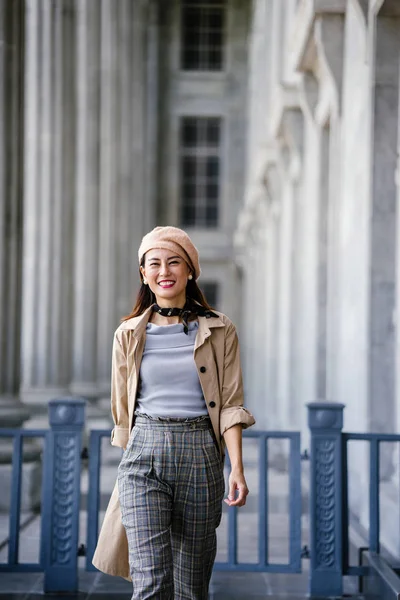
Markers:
<point>174,262</point>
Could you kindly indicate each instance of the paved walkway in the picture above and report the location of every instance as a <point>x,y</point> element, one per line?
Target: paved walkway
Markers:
<point>224,586</point>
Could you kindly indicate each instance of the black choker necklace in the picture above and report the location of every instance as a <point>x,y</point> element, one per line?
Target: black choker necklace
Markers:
<point>189,309</point>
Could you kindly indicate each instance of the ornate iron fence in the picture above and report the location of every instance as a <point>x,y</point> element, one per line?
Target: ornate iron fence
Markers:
<point>328,548</point>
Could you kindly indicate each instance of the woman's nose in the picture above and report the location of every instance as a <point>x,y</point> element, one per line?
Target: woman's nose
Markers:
<point>164,268</point>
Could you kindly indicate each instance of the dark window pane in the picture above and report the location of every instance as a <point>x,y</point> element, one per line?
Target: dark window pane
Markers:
<point>189,133</point>
<point>188,215</point>
<point>202,36</point>
<point>215,60</point>
<point>213,132</point>
<point>191,60</point>
<point>188,168</point>
<point>192,41</point>
<point>212,167</point>
<point>212,216</point>
<point>203,2</point>
<point>188,192</point>
<point>190,18</point>
<point>214,40</point>
<point>215,20</point>
<point>199,166</point>
<point>212,191</point>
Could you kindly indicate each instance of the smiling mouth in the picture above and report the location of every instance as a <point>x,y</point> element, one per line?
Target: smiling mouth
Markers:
<point>166,283</point>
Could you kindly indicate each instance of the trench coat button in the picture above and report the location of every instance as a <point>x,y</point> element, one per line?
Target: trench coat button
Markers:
<point>212,404</point>
<point>203,369</point>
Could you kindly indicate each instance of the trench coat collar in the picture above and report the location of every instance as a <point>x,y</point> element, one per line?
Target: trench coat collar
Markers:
<point>138,326</point>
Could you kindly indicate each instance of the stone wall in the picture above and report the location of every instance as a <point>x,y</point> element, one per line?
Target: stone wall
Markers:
<point>322,172</point>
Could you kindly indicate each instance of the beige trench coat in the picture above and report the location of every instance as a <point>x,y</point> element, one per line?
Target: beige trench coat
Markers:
<point>216,349</point>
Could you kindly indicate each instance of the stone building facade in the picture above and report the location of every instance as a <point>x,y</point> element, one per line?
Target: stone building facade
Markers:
<point>318,233</point>
<point>269,129</point>
<point>116,116</point>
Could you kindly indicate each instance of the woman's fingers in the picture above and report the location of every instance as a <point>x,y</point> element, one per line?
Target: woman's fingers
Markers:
<point>241,488</point>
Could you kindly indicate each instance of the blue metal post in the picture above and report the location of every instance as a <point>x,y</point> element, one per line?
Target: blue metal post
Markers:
<point>325,421</point>
<point>60,512</point>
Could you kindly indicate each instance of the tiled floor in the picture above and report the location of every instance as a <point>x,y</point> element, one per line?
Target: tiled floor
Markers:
<point>224,586</point>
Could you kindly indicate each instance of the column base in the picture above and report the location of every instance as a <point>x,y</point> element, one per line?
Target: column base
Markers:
<point>38,397</point>
<point>12,412</point>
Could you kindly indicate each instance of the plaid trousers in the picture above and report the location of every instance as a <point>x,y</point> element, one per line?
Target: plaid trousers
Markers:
<point>171,486</point>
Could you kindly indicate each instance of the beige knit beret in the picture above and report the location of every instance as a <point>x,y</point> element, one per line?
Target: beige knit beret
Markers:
<point>174,239</point>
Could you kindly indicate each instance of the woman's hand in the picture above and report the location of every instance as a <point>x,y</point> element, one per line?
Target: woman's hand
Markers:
<point>237,483</point>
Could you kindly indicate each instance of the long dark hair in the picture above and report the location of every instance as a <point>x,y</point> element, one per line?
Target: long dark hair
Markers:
<point>146,298</point>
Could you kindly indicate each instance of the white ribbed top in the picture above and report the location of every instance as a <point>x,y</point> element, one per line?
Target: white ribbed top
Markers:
<point>169,383</point>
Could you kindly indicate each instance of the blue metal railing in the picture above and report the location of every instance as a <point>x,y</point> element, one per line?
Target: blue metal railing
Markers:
<point>18,436</point>
<point>263,564</point>
<point>374,440</point>
<point>92,533</point>
<point>232,564</point>
<point>329,537</point>
<point>60,496</point>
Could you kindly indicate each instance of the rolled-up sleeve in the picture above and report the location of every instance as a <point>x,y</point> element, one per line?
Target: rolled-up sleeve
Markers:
<point>119,395</point>
<point>232,410</point>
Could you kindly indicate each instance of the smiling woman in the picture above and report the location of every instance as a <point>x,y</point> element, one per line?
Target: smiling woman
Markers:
<point>167,276</point>
<point>177,401</point>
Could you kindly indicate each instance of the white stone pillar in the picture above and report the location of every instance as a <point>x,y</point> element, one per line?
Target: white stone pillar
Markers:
<point>152,104</point>
<point>126,239</point>
<point>86,268</point>
<point>322,269</point>
<point>128,160</point>
<point>285,292</point>
<point>108,187</point>
<point>46,246</point>
<point>273,292</point>
<point>294,130</point>
<point>397,312</point>
<point>12,412</point>
<point>143,64</point>
<point>383,231</point>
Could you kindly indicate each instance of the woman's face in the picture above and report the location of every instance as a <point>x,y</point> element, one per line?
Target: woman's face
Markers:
<point>167,276</point>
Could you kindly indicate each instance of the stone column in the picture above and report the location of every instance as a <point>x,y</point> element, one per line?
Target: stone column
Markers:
<point>294,125</point>
<point>12,412</point>
<point>397,313</point>
<point>383,228</point>
<point>128,161</point>
<point>284,286</point>
<point>108,186</point>
<point>152,92</point>
<point>323,249</point>
<point>273,292</point>
<point>47,202</point>
<point>86,217</point>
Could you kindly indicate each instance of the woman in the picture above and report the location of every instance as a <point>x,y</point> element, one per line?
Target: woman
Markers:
<point>177,401</point>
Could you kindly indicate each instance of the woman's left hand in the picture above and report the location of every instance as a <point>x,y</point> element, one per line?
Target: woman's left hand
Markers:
<point>237,483</point>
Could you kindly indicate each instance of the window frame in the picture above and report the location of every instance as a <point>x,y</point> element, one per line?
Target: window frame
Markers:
<point>201,71</point>
<point>184,152</point>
